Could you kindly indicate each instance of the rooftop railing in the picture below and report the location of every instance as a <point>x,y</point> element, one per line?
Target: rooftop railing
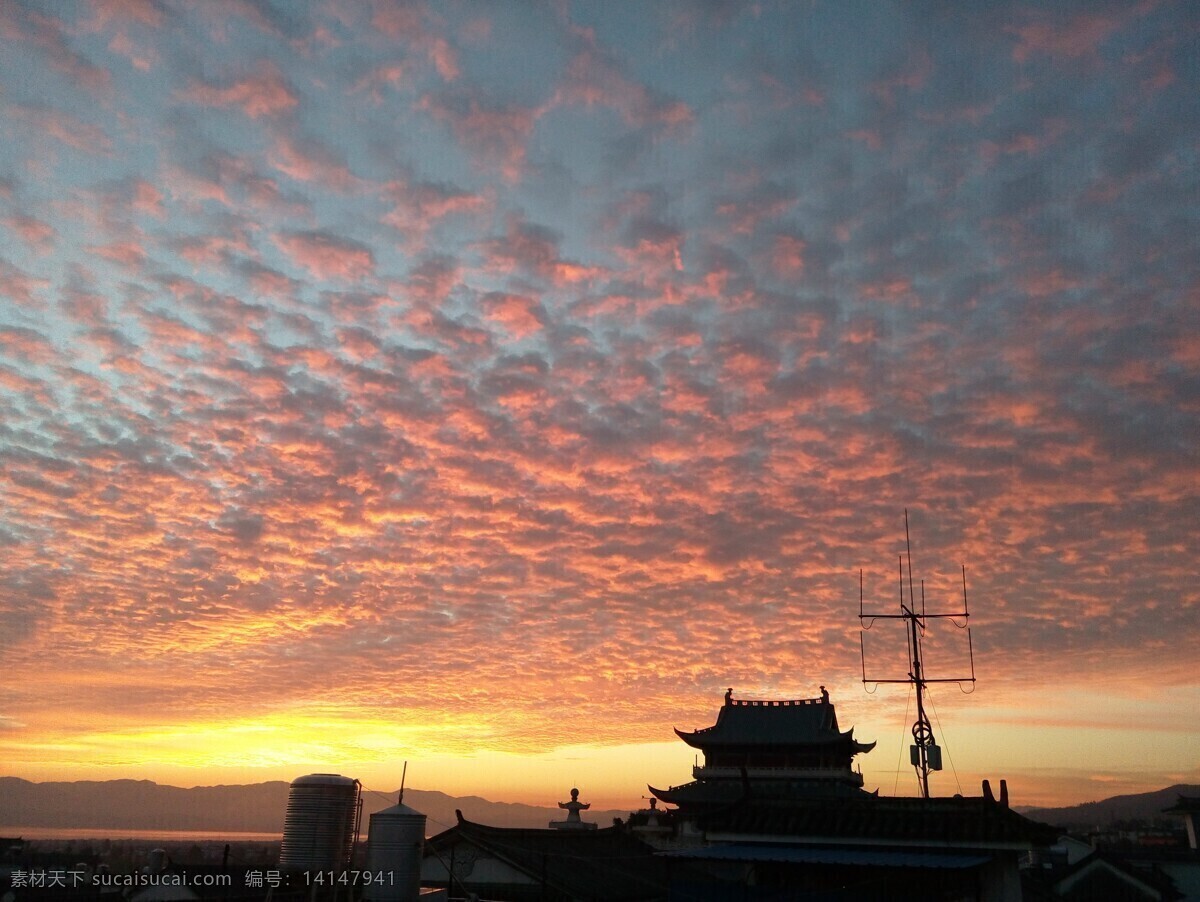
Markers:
<point>776,702</point>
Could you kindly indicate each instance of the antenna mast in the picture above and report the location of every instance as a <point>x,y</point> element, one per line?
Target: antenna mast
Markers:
<point>924,753</point>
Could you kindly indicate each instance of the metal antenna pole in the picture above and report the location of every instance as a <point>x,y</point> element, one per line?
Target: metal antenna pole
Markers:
<point>922,731</point>
<point>924,752</point>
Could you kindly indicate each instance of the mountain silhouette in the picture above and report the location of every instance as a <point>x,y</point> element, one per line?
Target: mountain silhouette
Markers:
<point>250,808</point>
<point>1144,806</point>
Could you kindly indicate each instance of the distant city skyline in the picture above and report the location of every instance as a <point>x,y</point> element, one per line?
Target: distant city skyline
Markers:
<point>490,386</point>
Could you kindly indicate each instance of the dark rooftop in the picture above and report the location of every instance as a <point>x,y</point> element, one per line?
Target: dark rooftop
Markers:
<point>934,823</point>
<point>729,792</point>
<point>605,863</point>
<point>772,722</point>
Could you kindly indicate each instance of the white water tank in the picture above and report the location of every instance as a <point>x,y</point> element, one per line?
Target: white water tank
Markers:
<point>321,823</point>
<point>395,845</point>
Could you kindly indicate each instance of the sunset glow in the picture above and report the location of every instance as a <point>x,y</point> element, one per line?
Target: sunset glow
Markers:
<point>490,386</point>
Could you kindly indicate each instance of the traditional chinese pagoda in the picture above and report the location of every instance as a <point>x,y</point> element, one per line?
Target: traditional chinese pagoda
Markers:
<point>778,747</point>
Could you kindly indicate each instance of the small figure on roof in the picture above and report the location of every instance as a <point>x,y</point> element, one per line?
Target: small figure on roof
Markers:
<point>729,695</point>
<point>573,821</point>
<point>824,695</point>
<point>574,806</point>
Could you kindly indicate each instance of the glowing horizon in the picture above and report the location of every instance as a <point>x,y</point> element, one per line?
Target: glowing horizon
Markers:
<point>490,387</point>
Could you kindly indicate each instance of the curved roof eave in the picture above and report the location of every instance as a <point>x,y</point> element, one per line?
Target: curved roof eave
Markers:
<point>689,738</point>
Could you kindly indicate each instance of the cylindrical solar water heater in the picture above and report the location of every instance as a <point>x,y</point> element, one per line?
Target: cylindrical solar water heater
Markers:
<point>395,846</point>
<point>321,823</point>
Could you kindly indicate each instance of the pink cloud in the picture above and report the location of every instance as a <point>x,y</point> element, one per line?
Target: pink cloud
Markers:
<point>219,20</point>
<point>85,307</point>
<point>432,279</point>
<point>118,16</point>
<point>1028,143</point>
<point>1163,78</point>
<point>148,13</point>
<point>20,286</point>
<point>749,361</point>
<point>356,308</point>
<point>444,58</point>
<point>911,77</point>
<point>524,247</point>
<point>147,199</point>
<point>33,231</point>
<point>126,253</point>
<point>266,281</point>
<point>1185,349</point>
<point>119,354</point>
<point>233,182</point>
<point>360,344</point>
<point>211,250</point>
<point>141,58</point>
<point>1081,36</point>
<point>767,202</point>
<point>265,93</point>
<point>185,183</point>
<point>419,207</point>
<point>309,161</point>
<point>64,127</point>
<point>407,22</point>
<point>871,137</point>
<point>784,95</point>
<point>48,34</point>
<point>532,250</point>
<point>653,245</point>
<point>566,273</point>
<point>386,75</point>
<point>787,256</point>
<point>521,316</point>
<point>327,256</point>
<point>492,134</point>
<point>1046,284</point>
<point>19,383</point>
<point>594,78</point>
<point>397,20</point>
<point>27,345</point>
<point>895,289</point>
<point>231,318</point>
<point>170,335</point>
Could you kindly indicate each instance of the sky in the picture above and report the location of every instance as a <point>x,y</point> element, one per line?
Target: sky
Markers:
<point>490,386</point>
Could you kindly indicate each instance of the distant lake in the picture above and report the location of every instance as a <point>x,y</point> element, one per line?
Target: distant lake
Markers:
<point>123,833</point>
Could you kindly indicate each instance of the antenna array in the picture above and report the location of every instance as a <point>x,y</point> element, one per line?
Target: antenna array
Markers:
<point>924,753</point>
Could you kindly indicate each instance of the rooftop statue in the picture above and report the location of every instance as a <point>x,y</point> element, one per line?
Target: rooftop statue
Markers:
<point>574,806</point>
<point>573,821</point>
